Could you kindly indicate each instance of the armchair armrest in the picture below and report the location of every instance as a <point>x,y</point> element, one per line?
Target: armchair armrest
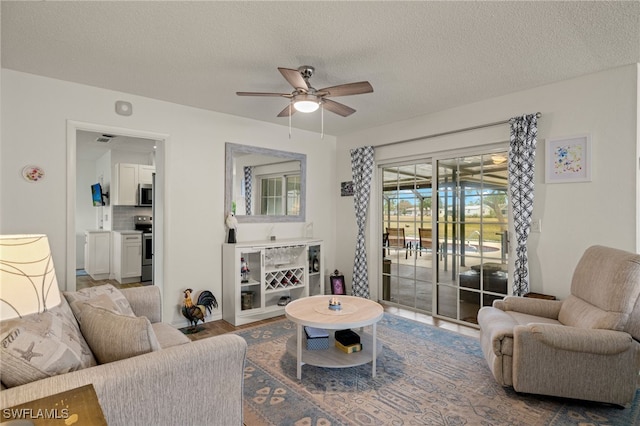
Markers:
<point>197,383</point>
<point>145,302</point>
<point>579,363</point>
<point>538,307</point>
<point>584,340</point>
<point>496,327</point>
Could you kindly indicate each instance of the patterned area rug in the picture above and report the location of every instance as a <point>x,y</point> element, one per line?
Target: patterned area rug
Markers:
<point>425,376</point>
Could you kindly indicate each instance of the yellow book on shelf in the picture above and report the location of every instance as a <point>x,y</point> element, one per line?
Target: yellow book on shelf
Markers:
<point>356,347</point>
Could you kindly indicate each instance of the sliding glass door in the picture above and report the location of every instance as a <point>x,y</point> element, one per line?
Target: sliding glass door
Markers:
<point>407,216</point>
<point>472,223</point>
<point>444,234</point>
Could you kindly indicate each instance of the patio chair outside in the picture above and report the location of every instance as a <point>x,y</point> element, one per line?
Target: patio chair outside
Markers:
<point>426,240</point>
<point>397,240</point>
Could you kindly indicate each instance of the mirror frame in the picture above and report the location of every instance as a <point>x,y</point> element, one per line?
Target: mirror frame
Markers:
<point>231,149</point>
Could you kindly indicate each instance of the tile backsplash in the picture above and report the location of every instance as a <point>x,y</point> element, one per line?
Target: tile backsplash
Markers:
<point>123,216</point>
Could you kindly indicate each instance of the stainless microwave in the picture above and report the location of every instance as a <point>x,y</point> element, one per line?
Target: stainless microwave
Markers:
<point>145,195</point>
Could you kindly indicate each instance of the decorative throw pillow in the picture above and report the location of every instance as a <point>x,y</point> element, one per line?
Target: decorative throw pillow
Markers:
<point>42,345</point>
<point>112,336</point>
<point>105,295</point>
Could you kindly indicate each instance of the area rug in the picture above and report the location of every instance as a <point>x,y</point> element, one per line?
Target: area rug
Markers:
<point>425,376</point>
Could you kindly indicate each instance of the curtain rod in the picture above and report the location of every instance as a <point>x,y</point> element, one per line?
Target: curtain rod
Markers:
<point>450,132</point>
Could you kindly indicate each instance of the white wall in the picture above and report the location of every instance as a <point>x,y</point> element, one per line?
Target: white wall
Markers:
<point>34,115</point>
<point>86,214</point>
<point>102,175</point>
<point>574,215</point>
<point>637,114</point>
<point>34,111</point>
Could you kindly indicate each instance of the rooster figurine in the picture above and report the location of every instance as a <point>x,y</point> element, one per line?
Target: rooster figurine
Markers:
<point>194,313</point>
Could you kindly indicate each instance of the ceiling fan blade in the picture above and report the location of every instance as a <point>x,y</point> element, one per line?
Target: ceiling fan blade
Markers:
<point>284,95</point>
<point>347,89</point>
<point>337,108</point>
<point>294,78</point>
<point>289,109</point>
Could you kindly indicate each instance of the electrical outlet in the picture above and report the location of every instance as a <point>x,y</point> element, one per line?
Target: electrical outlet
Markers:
<point>536,226</point>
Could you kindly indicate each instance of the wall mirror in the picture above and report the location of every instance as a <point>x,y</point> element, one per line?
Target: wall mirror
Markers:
<point>265,185</point>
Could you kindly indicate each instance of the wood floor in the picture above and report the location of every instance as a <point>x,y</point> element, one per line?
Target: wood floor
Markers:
<point>215,328</point>
<point>84,281</point>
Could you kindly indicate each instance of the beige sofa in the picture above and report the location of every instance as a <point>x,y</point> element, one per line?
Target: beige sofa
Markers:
<point>172,381</point>
<point>583,347</point>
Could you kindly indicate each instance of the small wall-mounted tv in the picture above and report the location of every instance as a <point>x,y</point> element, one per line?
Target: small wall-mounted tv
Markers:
<point>96,195</point>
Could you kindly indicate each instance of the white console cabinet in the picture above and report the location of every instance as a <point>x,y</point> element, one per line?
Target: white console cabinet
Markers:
<point>258,275</point>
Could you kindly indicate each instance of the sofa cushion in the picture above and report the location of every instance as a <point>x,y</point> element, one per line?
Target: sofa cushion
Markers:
<point>168,335</point>
<point>42,345</point>
<point>113,336</point>
<point>105,295</point>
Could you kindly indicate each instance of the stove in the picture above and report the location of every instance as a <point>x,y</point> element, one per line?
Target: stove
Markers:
<point>145,224</point>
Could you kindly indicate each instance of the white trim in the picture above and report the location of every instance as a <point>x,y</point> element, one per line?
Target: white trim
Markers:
<point>159,216</point>
<point>637,115</point>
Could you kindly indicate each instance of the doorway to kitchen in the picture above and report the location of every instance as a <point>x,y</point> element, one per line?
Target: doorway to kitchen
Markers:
<point>139,143</point>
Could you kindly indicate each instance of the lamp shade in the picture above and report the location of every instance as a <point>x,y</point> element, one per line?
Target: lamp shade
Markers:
<point>28,281</point>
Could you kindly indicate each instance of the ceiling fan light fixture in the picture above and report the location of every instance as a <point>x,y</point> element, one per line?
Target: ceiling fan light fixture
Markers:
<point>306,103</point>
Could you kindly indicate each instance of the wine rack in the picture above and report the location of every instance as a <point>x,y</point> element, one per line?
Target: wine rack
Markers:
<point>283,279</point>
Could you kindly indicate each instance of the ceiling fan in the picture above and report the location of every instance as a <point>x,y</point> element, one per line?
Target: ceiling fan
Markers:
<point>306,98</point>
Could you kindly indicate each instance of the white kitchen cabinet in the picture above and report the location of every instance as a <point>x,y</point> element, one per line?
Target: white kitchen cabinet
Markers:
<point>97,254</point>
<point>127,256</point>
<point>126,178</point>
<point>124,191</point>
<point>258,275</point>
<point>145,174</point>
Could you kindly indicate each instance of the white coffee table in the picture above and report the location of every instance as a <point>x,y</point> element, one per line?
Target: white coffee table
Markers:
<point>314,311</point>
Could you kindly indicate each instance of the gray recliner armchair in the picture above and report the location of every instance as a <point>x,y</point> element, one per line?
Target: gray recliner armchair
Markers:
<point>584,347</point>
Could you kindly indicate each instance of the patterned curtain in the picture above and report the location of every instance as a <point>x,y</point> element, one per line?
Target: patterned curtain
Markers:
<point>248,186</point>
<point>361,170</point>
<point>522,156</point>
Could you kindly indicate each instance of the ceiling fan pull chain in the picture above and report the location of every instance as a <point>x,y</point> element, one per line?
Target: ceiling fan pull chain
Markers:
<point>322,121</point>
<point>290,120</point>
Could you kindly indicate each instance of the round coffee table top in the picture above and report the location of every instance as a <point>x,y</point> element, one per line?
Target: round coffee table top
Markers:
<point>314,312</point>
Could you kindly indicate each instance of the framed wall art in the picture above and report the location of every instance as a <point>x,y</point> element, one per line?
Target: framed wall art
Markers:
<point>568,159</point>
<point>346,189</point>
<point>32,173</point>
<point>337,284</point>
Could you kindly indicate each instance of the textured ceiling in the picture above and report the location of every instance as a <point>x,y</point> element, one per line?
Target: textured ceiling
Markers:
<point>420,57</point>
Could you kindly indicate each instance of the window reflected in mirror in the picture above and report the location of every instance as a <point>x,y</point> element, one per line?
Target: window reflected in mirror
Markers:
<point>265,185</point>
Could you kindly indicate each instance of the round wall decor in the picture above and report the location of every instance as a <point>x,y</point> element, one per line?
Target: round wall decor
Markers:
<point>32,173</point>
